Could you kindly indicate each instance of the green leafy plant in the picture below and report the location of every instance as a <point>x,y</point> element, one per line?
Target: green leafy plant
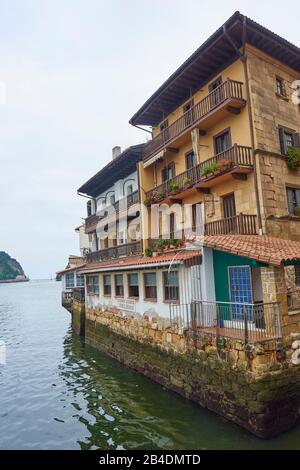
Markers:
<point>157,196</point>
<point>173,241</point>
<point>147,200</point>
<point>161,244</point>
<point>148,252</point>
<point>293,157</point>
<point>187,181</point>
<point>209,168</point>
<point>173,188</point>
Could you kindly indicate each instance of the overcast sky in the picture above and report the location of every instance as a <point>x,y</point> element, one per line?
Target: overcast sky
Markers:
<point>75,71</point>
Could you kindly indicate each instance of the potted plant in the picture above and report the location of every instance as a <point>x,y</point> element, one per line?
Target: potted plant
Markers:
<point>173,188</point>
<point>224,164</point>
<point>215,167</point>
<point>293,158</point>
<point>210,169</point>
<point>148,252</point>
<point>161,244</point>
<point>173,242</point>
<point>157,196</point>
<point>187,182</point>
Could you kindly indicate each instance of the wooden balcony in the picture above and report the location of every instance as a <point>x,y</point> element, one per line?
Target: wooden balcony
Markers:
<point>236,161</point>
<point>226,98</point>
<point>120,205</point>
<point>130,249</point>
<point>242,224</point>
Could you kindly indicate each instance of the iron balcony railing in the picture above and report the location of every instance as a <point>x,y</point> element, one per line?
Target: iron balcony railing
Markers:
<point>124,203</point>
<point>129,249</point>
<point>248,322</point>
<point>237,156</point>
<point>229,90</point>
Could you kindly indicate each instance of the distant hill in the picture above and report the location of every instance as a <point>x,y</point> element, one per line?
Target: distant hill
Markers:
<point>10,268</point>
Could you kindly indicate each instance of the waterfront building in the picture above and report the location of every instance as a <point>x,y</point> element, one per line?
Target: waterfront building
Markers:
<point>193,271</point>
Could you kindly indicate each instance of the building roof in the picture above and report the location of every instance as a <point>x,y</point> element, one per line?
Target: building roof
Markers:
<point>209,59</point>
<point>189,258</point>
<point>275,251</point>
<point>116,169</point>
<point>70,270</point>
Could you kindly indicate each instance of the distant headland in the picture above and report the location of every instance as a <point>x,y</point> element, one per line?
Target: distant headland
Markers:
<point>10,269</point>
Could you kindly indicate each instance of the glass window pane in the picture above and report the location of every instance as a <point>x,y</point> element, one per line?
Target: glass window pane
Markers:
<point>133,279</point>
<point>150,279</point>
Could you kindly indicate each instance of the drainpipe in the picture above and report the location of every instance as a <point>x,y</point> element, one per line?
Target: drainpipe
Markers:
<point>243,59</point>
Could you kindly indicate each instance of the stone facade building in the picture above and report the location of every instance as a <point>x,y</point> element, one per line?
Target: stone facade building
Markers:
<point>200,288</point>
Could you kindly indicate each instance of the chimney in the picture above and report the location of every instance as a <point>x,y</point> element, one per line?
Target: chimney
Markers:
<point>116,152</point>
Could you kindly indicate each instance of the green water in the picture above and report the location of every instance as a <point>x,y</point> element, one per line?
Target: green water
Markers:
<point>57,393</point>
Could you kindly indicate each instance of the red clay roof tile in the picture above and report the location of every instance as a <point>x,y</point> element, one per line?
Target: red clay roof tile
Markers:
<point>262,248</point>
<point>176,256</point>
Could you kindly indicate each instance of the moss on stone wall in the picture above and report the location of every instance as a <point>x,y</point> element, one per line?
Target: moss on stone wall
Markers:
<point>265,404</point>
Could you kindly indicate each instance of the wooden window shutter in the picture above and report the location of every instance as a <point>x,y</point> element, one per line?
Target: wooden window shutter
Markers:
<point>281,140</point>
<point>296,140</point>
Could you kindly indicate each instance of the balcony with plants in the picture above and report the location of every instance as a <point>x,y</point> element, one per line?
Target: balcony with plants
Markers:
<point>236,160</point>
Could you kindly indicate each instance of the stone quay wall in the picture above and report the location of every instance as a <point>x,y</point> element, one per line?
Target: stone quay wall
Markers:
<point>256,386</point>
<point>78,317</point>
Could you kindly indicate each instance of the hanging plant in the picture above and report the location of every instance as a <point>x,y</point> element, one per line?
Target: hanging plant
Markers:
<point>293,158</point>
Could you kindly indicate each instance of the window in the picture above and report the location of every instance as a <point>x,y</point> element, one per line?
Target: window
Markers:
<point>106,284</point>
<point>287,139</point>
<point>172,225</point>
<point>190,160</point>
<point>89,208</point>
<point>293,198</point>
<point>188,113</point>
<point>297,275</point>
<point>133,285</point>
<point>150,286</point>
<point>105,242</point>
<point>79,280</point>
<point>70,280</point>
<point>280,87</point>
<point>216,92</point>
<point>112,199</point>
<point>171,285</point>
<point>222,141</point>
<point>119,284</point>
<point>196,216</point>
<point>92,284</point>
<point>229,209</point>
<point>164,125</point>
<point>168,172</point>
<point>129,189</point>
<point>215,84</point>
